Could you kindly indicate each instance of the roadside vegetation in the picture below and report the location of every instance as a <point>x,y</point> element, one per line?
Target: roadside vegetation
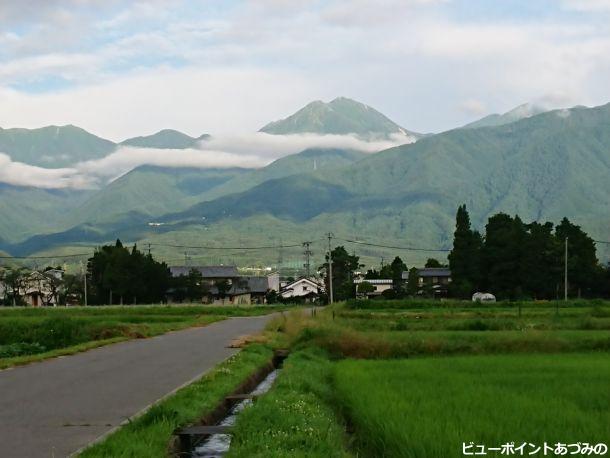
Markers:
<point>150,435</point>
<point>297,418</point>
<point>31,334</point>
<point>419,378</point>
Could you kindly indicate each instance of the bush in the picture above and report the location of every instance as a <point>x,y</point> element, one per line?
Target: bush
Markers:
<point>21,349</point>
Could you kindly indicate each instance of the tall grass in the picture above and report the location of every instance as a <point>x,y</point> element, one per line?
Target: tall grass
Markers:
<point>426,408</point>
<point>36,332</point>
<point>381,304</point>
<point>296,418</point>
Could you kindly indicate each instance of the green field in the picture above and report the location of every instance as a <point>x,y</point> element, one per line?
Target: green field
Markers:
<point>430,407</point>
<point>420,378</point>
<point>404,378</point>
<point>30,334</point>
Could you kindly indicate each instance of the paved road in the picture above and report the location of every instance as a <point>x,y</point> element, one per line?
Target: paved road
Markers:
<point>55,407</point>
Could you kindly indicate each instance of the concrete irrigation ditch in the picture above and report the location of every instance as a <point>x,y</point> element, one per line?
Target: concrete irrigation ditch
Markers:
<point>211,436</point>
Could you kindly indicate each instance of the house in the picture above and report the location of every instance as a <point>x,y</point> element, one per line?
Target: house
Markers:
<point>434,279</point>
<point>225,285</point>
<point>242,291</point>
<point>380,286</point>
<point>42,288</point>
<point>302,290</point>
<point>210,274</point>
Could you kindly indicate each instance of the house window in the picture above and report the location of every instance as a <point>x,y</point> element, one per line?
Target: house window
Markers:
<point>304,288</point>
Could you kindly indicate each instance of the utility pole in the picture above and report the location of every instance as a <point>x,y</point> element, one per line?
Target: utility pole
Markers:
<point>565,272</point>
<point>280,256</point>
<point>330,268</point>
<point>84,272</point>
<point>186,259</point>
<point>148,248</point>
<point>307,254</point>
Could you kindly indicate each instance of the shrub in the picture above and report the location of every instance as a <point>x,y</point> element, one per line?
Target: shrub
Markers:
<point>21,349</point>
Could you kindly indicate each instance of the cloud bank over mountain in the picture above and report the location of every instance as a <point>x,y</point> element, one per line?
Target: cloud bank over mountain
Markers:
<point>250,150</point>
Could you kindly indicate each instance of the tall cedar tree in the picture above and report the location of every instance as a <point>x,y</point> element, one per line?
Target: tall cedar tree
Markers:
<point>413,282</point>
<point>465,257</point>
<point>433,263</point>
<point>540,271</point>
<point>397,268</point>
<point>585,275</point>
<point>502,255</point>
<point>117,275</point>
<point>344,266</point>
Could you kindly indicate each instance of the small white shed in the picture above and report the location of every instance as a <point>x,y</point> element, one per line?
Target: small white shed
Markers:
<point>483,297</point>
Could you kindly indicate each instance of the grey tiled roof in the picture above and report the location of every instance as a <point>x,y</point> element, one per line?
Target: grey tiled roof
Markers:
<point>435,272</point>
<point>206,271</point>
<point>244,285</point>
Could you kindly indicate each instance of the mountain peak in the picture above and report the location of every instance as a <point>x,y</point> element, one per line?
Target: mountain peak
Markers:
<point>164,139</point>
<point>341,116</point>
<point>53,146</point>
<point>525,110</point>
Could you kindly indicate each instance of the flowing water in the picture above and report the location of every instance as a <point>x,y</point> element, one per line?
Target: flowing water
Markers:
<point>218,444</point>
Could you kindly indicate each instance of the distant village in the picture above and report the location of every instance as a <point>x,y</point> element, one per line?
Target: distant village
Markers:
<point>220,285</point>
<point>512,261</point>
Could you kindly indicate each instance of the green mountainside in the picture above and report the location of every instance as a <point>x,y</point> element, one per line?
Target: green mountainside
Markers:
<point>303,162</point>
<point>150,190</point>
<point>164,139</point>
<point>146,192</point>
<point>526,110</point>
<point>25,212</point>
<point>542,167</point>
<point>53,146</point>
<point>154,191</point>
<point>340,116</point>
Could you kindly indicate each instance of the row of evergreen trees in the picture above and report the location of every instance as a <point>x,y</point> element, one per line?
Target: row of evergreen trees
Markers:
<point>117,275</point>
<point>516,260</point>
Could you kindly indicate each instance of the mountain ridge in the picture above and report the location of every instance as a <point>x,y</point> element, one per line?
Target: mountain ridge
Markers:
<point>341,116</point>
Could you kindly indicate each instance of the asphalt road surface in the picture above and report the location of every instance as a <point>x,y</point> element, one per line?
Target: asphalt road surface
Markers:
<point>55,407</point>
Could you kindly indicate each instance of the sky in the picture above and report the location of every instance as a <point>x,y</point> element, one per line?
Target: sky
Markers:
<point>121,69</point>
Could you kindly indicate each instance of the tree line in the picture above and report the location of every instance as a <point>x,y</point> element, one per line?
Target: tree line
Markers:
<point>518,260</point>
<point>114,275</point>
<point>118,275</point>
<point>511,259</point>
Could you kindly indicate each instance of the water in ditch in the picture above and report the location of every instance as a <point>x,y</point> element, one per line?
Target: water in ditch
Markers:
<point>218,444</point>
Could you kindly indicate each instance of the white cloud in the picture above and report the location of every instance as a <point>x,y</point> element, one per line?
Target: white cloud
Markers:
<point>246,151</point>
<point>125,159</point>
<point>195,101</point>
<point>19,174</point>
<point>274,146</point>
<point>473,107</point>
<point>214,68</point>
<point>587,5</point>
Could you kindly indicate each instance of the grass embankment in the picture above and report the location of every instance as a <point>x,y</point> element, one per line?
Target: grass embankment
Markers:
<point>529,383</point>
<point>429,407</point>
<point>440,331</point>
<point>28,335</point>
<point>296,418</point>
<point>149,435</point>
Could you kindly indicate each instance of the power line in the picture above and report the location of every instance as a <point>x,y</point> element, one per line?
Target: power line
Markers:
<point>267,247</point>
<point>47,257</point>
<point>406,248</point>
<point>601,241</point>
